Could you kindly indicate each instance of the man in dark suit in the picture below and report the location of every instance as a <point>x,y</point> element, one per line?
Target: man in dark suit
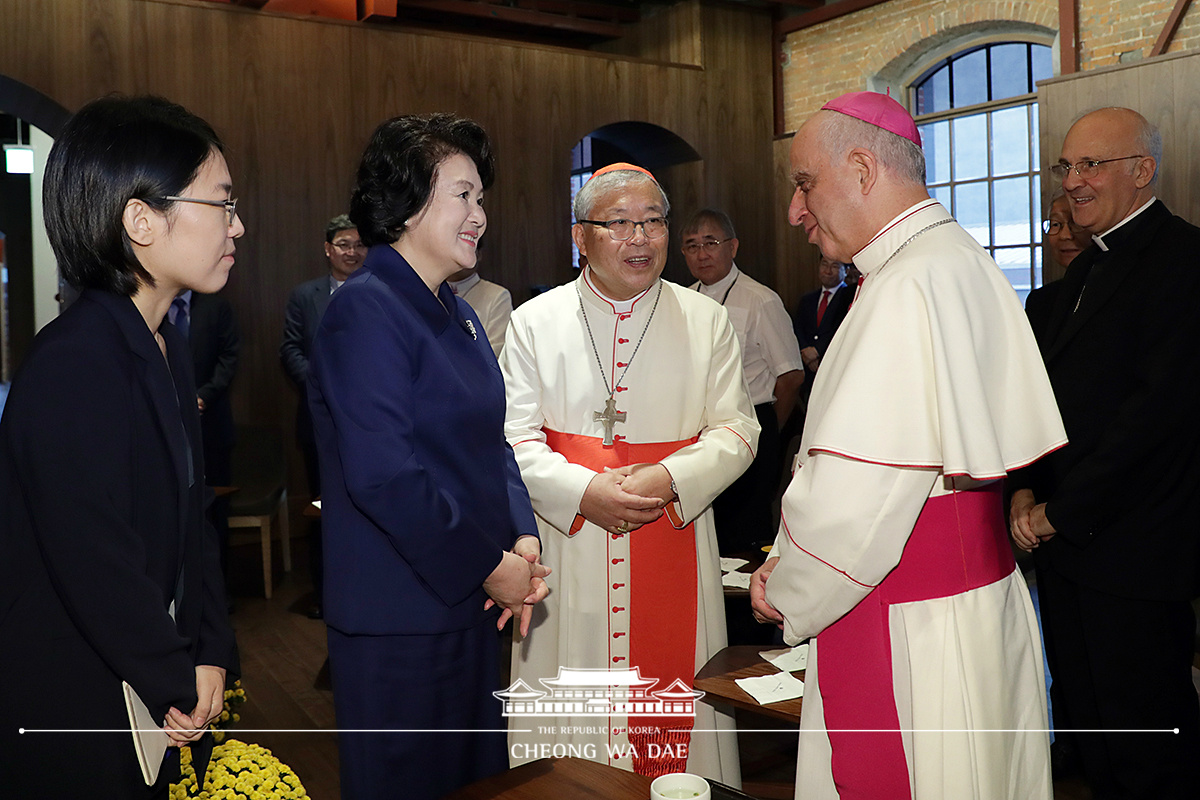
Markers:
<point>819,314</point>
<point>1112,517</point>
<point>207,322</point>
<point>345,252</point>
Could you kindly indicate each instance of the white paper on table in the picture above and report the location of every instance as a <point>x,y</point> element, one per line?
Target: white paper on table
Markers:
<point>789,659</point>
<point>730,564</point>
<point>776,688</point>
<point>738,580</point>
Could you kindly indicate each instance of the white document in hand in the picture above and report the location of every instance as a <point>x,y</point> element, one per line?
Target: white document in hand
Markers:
<point>149,739</point>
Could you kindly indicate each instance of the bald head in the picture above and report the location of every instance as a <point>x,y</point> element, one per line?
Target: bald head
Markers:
<point>1110,158</point>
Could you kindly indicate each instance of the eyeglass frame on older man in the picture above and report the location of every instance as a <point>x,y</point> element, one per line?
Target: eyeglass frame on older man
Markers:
<point>1050,227</point>
<point>693,248</point>
<point>1092,166</point>
<point>230,206</point>
<point>347,247</point>
<point>613,224</point>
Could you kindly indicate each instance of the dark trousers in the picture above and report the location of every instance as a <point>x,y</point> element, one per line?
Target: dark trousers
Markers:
<point>1121,664</point>
<point>424,684</point>
<point>742,513</point>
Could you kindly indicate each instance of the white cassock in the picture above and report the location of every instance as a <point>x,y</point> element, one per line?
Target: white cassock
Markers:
<point>684,393</point>
<point>893,545</point>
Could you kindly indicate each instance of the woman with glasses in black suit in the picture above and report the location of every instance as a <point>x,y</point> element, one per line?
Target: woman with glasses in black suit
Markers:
<point>109,573</point>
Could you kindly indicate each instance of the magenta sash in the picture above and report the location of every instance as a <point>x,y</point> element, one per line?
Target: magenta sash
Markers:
<point>959,543</point>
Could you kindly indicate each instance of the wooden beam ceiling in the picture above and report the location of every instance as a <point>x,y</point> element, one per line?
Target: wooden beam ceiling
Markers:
<point>823,14</point>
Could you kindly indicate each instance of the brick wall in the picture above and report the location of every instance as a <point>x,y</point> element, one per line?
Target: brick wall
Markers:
<point>1110,29</point>
<point>843,54</point>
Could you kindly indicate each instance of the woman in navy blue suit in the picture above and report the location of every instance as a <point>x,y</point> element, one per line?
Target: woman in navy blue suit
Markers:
<point>108,569</point>
<point>429,536</point>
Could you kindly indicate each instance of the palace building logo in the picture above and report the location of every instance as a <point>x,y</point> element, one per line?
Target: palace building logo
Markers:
<point>599,693</point>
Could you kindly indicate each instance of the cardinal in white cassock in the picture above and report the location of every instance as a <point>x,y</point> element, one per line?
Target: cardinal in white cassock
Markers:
<point>925,675</point>
<point>628,413</point>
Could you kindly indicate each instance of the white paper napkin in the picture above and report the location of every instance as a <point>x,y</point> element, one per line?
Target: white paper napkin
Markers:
<point>738,580</point>
<point>775,688</point>
<point>789,659</point>
<point>730,564</point>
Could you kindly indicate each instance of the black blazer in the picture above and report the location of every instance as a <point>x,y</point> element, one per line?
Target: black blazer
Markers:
<point>808,332</point>
<point>103,527</point>
<point>214,342</point>
<point>305,307</point>
<point>1124,495</point>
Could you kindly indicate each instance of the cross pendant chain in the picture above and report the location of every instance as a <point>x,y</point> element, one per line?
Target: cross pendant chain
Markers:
<point>608,417</point>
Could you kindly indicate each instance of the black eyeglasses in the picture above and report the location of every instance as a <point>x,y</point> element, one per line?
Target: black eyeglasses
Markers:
<point>230,206</point>
<point>692,248</point>
<point>1084,169</point>
<point>1051,227</point>
<point>623,229</point>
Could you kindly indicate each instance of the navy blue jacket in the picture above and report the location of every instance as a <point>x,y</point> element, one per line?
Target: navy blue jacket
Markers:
<point>420,491</point>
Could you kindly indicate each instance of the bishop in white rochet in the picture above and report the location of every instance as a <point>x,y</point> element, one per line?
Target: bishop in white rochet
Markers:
<point>925,675</point>
<point>628,414</point>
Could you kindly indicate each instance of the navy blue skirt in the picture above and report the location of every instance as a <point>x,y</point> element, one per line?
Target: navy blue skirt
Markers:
<point>436,687</point>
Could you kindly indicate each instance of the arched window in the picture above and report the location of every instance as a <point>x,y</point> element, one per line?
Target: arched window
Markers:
<point>977,113</point>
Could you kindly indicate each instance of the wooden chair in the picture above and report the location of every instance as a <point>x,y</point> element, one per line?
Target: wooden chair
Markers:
<point>260,473</point>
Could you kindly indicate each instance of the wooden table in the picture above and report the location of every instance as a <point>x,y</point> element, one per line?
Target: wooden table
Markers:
<point>756,559</point>
<point>716,680</point>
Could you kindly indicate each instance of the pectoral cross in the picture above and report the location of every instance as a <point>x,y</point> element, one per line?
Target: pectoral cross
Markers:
<point>610,416</point>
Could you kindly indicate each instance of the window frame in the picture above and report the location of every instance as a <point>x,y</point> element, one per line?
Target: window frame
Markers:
<point>945,60</point>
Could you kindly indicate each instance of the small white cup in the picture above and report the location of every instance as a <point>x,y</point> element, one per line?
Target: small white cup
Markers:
<point>680,786</point>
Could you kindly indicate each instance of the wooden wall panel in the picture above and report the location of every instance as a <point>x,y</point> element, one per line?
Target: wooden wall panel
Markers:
<point>1163,90</point>
<point>296,100</point>
<point>666,33</point>
<point>796,260</point>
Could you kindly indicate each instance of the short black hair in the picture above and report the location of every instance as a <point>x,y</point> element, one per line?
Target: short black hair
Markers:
<point>714,215</point>
<point>395,177</point>
<point>336,225</point>
<point>111,151</point>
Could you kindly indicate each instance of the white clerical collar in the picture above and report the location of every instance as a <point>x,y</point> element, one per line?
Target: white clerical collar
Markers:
<point>465,285</point>
<point>721,288</point>
<point>891,236</point>
<point>1099,240</point>
<point>618,306</point>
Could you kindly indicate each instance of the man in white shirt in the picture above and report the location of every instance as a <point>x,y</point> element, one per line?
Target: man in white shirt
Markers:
<point>627,412</point>
<point>491,301</point>
<point>925,675</point>
<point>772,364</point>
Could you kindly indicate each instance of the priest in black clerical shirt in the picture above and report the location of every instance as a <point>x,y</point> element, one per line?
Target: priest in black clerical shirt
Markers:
<point>1112,516</point>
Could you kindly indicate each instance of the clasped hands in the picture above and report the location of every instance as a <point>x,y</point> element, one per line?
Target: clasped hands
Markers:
<point>210,693</point>
<point>518,583</point>
<point>626,498</point>
<point>1027,521</point>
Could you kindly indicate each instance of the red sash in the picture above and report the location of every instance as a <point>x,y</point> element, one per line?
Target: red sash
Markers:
<point>661,619</point>
<point>959,543</point>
